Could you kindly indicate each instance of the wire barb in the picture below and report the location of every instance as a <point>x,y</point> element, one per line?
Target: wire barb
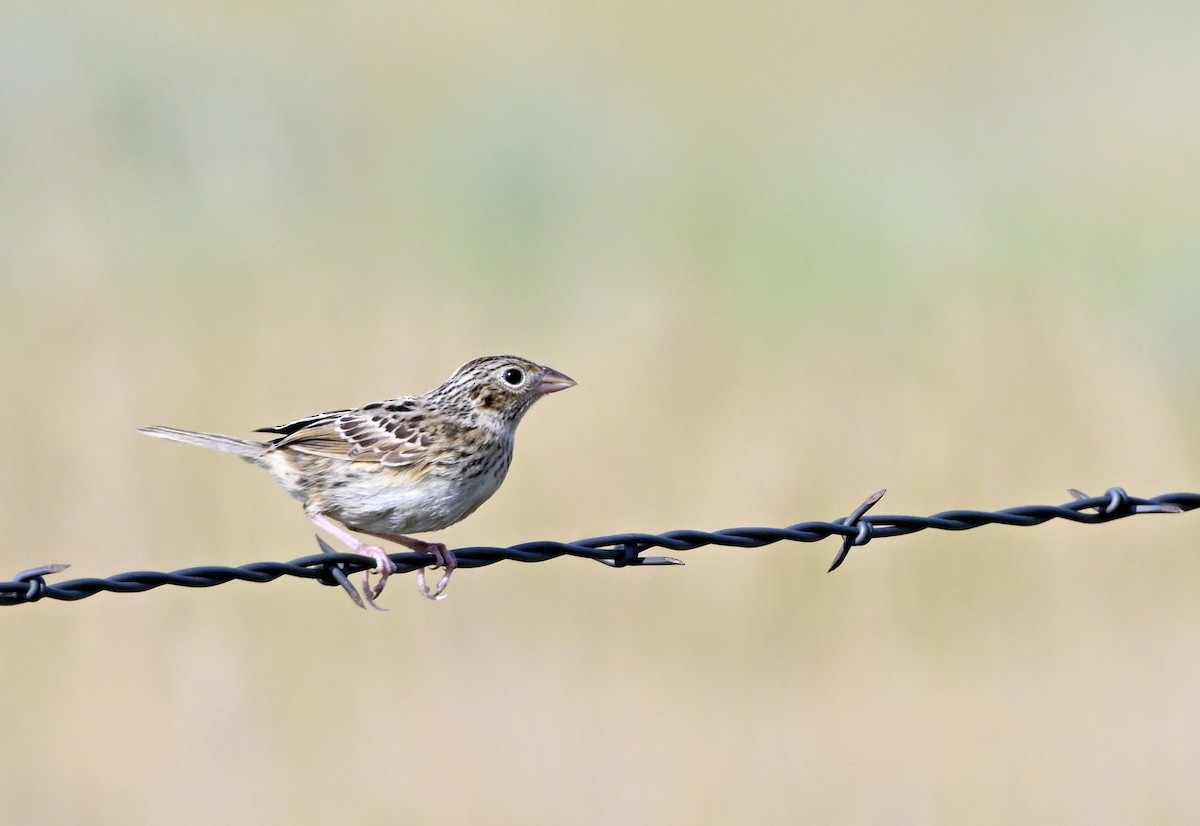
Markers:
<point>619,550</point>
<point>1116,500</point>
<point>33,580</point>
<point>630,554</point>
<point>864,530</point>
<point>337,573</point>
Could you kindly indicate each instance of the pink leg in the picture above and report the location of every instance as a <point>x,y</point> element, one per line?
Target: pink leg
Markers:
<point>383,565</point>
<point>444,558</point>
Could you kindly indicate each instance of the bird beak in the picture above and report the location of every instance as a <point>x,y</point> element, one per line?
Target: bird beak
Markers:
<point>552,381</point>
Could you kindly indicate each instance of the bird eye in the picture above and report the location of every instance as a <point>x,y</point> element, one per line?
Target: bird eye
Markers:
<point>513,376</point>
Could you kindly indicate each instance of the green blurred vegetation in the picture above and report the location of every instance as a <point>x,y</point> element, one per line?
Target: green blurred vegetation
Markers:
<point>791,252</point>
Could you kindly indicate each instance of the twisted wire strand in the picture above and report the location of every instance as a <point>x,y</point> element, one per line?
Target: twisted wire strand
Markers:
<point>617,550</point>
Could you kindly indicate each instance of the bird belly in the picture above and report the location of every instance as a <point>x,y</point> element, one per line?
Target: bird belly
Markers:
<point>386,501</point>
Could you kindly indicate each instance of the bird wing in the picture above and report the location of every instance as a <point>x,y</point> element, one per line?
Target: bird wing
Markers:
<point>397,433</point>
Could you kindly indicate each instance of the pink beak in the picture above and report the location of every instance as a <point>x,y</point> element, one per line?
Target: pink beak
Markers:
<point>552,381</point>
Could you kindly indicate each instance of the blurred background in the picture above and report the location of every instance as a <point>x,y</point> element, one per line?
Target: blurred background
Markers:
<point>792,253</point>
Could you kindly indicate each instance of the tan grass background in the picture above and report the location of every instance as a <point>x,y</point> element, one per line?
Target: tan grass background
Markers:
<point>791,252</point>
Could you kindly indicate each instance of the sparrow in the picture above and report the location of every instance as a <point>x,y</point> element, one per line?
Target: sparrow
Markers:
<point>405,465</point>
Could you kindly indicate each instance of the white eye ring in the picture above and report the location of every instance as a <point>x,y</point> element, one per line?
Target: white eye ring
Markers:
<point>513,376</point>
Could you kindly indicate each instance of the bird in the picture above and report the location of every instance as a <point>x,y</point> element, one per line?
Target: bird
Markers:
<point>405,465</point>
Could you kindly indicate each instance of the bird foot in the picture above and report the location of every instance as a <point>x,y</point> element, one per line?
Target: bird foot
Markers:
<point>444,558</point>
<point>384,567</point>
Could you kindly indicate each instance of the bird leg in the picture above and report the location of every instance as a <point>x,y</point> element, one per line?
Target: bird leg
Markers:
<point>383,564</point>
<point>443,558</point>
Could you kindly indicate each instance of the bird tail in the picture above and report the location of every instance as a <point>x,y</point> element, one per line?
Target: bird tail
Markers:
<point>245,448</point>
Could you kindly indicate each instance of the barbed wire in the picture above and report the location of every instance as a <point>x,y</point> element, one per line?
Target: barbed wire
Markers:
<point>617,550</point>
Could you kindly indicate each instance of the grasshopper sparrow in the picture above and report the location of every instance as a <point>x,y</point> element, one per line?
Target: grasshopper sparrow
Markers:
<point>405,465</point>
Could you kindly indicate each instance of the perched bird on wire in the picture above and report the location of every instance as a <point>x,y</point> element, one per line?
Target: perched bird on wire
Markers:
<point>406,465</point>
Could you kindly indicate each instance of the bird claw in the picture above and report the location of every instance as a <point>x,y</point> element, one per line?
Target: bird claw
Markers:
<point>434,593</point>
<point>384,567</point>
<point>444,558</point>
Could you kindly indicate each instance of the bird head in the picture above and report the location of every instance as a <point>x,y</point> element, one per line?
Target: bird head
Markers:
<point>502,388</point>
